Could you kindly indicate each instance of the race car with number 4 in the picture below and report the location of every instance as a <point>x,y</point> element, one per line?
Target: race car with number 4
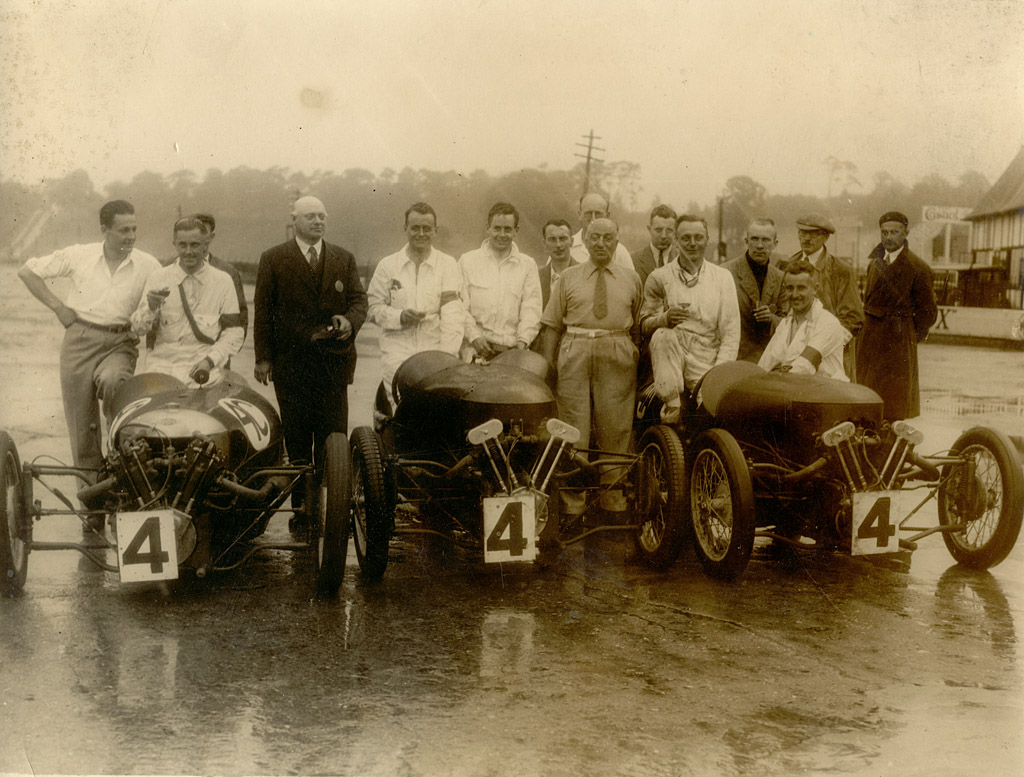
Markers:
<point>810,462</point>
<point>190,480</point>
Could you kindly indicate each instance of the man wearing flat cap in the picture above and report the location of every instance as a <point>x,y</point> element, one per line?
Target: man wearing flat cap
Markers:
<point>833,278</point>
<point>899,307</point>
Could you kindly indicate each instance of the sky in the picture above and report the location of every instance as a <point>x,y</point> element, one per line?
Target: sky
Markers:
<point>695,92</point>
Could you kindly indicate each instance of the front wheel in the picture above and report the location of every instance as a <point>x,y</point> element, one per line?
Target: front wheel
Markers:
<point>660,488</point>
<point>986,494</point>
<point>333,516</point>
<point>721,505</point>
<point>13,548</point>
<point>373,504</point>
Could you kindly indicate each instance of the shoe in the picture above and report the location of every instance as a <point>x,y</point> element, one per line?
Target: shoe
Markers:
<point>300,525</point>
<point>670,412</point>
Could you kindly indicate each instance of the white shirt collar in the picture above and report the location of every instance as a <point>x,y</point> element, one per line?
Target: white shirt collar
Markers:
<point>304,246</point>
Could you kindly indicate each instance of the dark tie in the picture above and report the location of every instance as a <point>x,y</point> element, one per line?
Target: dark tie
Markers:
<point>660,261</point>
<point>600,295</point>
<point>314,260</point>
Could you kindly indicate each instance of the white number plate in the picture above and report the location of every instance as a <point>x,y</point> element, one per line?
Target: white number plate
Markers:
<point>876,519</point>
<point>146,546</point>
<point>510,528</point>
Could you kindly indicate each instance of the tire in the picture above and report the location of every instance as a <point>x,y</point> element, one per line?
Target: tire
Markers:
<point>13,547</point>
<point>333,516</point>
<point>721,505</point>
<point>373,504</point>
<point>661,497</point>
<point>992,506</point>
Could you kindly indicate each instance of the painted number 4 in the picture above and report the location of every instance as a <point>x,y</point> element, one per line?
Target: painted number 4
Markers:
<point>156,556</point>
<point>511,521</point>
<point>876,524</point>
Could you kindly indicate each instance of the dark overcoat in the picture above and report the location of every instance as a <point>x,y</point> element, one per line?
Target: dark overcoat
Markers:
<point>899,309</point>
<point>754,335</point>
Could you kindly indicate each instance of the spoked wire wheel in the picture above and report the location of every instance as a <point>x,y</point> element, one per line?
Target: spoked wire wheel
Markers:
<point>660,488</point>
<point>990,504</point>
<point>721,505</point>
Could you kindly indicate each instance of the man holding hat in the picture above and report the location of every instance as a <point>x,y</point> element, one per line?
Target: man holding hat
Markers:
<point>833,278</point>
<point>899,307</point>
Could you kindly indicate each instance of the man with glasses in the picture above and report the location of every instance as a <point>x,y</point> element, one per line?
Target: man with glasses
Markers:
<point>834,280</point>
<point>591,321</point>
<point>691,315</point>
<point>502,290</point>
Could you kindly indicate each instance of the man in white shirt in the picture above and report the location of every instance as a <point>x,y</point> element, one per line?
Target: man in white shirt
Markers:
<point>809,340</point>
<point>415,297</point>
<point>557,240</point>
<point>99,350</point>
<point>595,206</point>
<point>691,316</point>
<point>501,290</point>
<point>200,325</point>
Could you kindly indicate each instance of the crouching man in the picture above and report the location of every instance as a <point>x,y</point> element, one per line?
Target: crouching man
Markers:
<point>195,309</point>
<point>809,340</point>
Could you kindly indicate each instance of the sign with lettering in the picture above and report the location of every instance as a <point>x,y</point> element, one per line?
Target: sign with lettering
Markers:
<point>944,214</point>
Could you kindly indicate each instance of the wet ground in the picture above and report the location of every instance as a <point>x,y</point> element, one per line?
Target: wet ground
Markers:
<point>819,664</point>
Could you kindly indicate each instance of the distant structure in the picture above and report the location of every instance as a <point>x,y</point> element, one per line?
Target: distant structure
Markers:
<point>997,228</point>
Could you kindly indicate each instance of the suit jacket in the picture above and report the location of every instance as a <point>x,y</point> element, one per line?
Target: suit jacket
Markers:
<point>643,260</point>
<point>899,307</point>
<point>754,336</point>
<point>291,304</point>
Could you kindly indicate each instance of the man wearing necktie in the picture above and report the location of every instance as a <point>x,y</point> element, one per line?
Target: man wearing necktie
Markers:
<point>759,289</point>
<point>899,308</point>
<point>200,323</point>
<point>591,321</point>
<point>662,249</point>
<point>691,316</point>
<point>309,305</point>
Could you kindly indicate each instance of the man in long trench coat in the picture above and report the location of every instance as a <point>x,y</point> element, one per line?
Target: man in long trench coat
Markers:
<point>899,308</point>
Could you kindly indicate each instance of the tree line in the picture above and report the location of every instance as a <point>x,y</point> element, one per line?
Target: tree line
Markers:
<point>365,209</point>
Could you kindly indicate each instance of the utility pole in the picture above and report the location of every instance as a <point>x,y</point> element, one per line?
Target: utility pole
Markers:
<point>589,156</point>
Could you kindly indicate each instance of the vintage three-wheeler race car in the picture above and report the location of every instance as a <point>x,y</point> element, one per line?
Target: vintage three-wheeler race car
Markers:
<point>476,454</point>
<point>810,462</point>
<point>190,481</point>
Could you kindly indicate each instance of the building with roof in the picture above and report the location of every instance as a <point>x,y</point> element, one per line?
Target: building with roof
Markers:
<point>997,228</point>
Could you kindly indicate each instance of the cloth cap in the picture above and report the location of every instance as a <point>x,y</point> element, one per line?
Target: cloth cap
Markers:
<point>894,215</point>
<point>816,221</point>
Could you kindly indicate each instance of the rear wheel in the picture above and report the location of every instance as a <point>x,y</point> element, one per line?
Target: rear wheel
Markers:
<point>721,505</point>
<point>373,504</point>
<point>990,503</point>
<point>333,516</point>
<point>13,549</point>
<point>660,488</point>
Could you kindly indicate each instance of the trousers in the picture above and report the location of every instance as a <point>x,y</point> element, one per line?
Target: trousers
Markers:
<point>93,363</point>
<point>596,393</point>
<point>676,363</point>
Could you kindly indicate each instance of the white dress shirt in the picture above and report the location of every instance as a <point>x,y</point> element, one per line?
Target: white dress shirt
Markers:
<point>97,295</point>
<point>433,287</point>
<point>211,294</point>
<point>819,330</point>
<point>503,296</point>
<point>711,334</point>
<point>580,253</point>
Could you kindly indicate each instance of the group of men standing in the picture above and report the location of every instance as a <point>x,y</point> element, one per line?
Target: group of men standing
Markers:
<point>589,308</point>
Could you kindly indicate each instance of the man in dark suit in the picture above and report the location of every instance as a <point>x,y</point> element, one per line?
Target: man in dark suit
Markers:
<point>309,305</point>
<point>662,249</point>
<point>758,289</point>
<point>557,240</point>
<point>899,309</point>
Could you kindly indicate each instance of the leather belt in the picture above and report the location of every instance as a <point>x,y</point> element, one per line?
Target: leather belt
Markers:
<point>580,331</point>
<point>116,329</point>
